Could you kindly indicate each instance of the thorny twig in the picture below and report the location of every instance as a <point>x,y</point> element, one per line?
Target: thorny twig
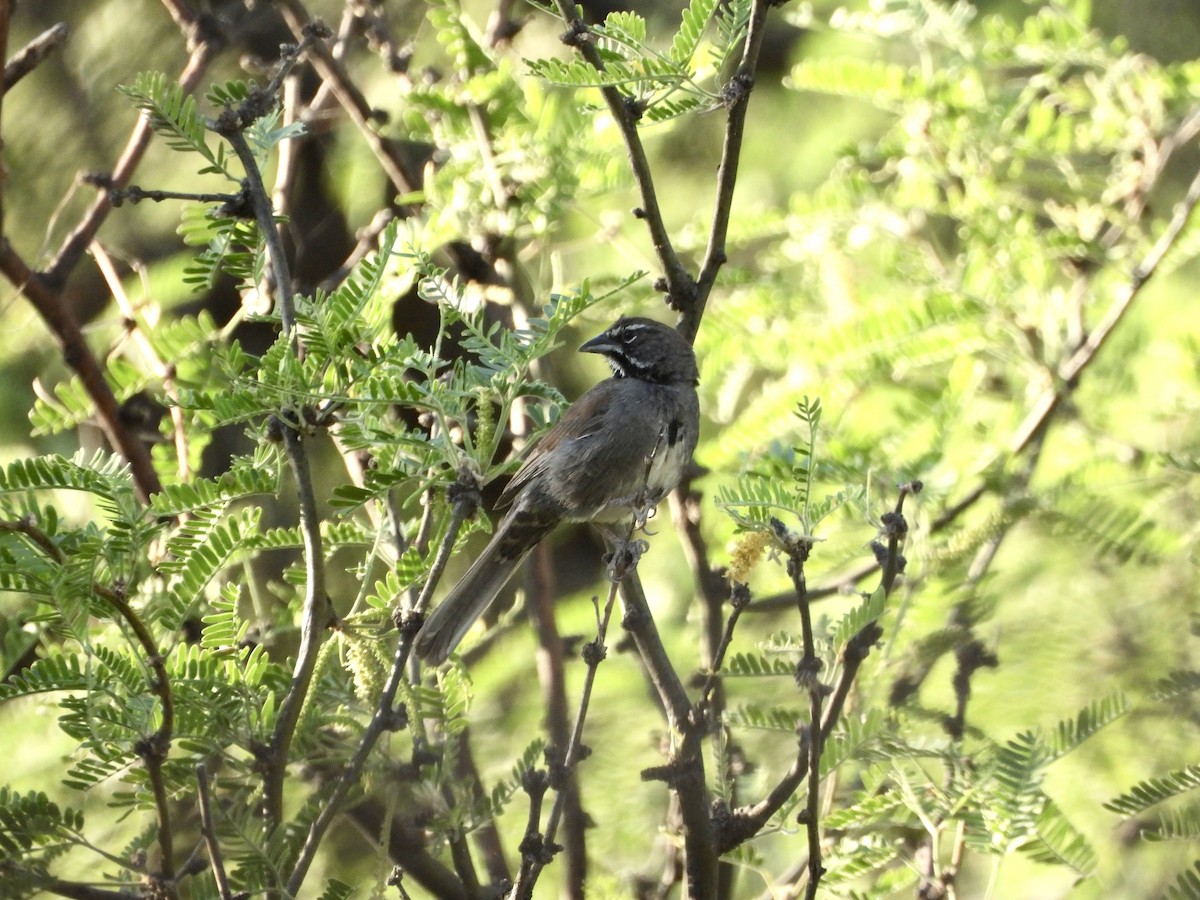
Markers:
<point>736,97</point>
<point>680,286</point>
<point>538,850</point>
<point>551,667</point>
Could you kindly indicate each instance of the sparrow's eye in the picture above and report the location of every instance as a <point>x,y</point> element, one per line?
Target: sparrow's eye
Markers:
<point>627,336</point>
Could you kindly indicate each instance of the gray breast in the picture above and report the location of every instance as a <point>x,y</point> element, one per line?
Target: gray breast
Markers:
<point>655,433</point>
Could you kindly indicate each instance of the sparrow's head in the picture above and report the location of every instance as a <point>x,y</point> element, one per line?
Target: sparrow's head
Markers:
<point>647,350</point>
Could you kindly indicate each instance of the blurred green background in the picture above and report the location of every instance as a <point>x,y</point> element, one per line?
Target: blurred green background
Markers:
<point>1078,601</point>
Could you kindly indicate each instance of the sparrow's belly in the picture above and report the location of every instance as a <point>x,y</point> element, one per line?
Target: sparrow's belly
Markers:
<point>641,484</point>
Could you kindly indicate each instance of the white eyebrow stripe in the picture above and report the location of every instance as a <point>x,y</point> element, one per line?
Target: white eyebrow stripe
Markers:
<point>627,327</point>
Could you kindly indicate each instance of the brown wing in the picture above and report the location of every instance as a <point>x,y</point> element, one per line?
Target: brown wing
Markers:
<point>580,422</point>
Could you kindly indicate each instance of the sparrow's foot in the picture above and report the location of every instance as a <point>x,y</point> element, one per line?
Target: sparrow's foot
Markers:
<point>643,508</point>
<point>624,558</point>
<point>642,514</point>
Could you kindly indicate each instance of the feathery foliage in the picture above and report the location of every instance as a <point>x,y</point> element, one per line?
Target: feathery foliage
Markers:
<point>943,269</point>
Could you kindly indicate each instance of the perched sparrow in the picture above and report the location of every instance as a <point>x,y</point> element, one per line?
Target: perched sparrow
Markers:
<point>614,453</point>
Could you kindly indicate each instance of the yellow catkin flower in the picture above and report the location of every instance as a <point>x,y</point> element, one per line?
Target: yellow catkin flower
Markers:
<point>746,554</point>
<point>368,670</point>
<point>485,418</point>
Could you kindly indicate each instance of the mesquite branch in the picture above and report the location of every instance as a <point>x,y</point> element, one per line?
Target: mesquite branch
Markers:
<point>44,289</point>
<point>316,611</point>
<point>733,827</point>
<point>538,850</point>
<point>153,748</point>
<point>464,501</point>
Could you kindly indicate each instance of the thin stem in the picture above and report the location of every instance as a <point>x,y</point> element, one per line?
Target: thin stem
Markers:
<point>680,286</point>
<point>264,216</point>
<point>77,242</point>
<point>31,55</point>
<point>483,139</point>
<point>134,195</point>
<point>551,668</point>
<point>460,856</point>
<point>1070,371</point>
<point>808,675</point>
<point>717,630</point>
<point>535,783</point>
<point>532,863</point>
<point>593,656</point>
<point>737,98</point>
<point>535,858</point>
<point>314,619</point>
<point>289,151</point>
<point>957,850</point>
<point>231,125</point>
<point>464,502</point>
<point>711,701</point>
<point>209,830</point>
<point>164,370</point>
<point>153,749</point>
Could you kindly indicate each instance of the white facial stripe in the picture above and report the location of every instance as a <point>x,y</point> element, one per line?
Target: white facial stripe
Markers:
<point>635,361</point>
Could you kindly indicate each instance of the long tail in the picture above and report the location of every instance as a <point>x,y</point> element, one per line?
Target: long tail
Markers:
<point>454,616</point>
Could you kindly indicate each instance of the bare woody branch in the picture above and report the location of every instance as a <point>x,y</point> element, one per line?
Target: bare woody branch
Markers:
<point>49,304</point>
<point>44,289</point>
<point>684,771</point>
<point>31,55</point>
<point>737,99</point>
<point>209,830</point>
<point>680,285</point>
<point>733,827</point>
<point>316,614</point>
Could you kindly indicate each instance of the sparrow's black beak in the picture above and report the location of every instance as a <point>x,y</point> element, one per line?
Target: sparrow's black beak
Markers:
<point>601,343</point>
